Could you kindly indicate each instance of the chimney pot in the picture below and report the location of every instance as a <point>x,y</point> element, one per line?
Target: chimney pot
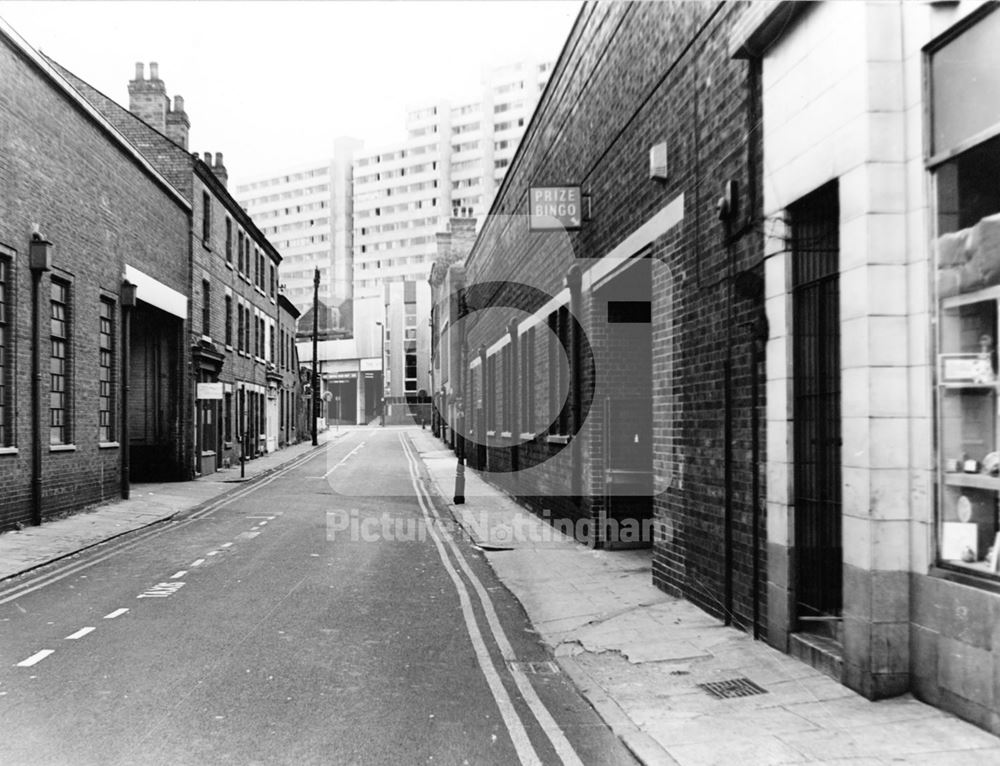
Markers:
<point>178,103</point>
<point>208,159</point>
<point>218,160</point>
<point>154,70</point>
<point>139,67</point>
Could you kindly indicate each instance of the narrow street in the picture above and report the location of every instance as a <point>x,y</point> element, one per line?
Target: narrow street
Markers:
<point>283,625</point>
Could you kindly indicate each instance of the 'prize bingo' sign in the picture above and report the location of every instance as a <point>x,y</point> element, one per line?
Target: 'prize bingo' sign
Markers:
<point>554,207</point>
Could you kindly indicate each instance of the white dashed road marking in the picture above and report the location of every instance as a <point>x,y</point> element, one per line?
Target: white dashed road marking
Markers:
<point>178,575</point>
<point>225,545</point>
<point>162,590</point>
<point>35,658</point>
<point>116,613</point>
<point>80,633</point>
<point>198,563</point>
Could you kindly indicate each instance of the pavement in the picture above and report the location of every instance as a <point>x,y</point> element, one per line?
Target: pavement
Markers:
<point>149,503</point>
<point>637,654</point>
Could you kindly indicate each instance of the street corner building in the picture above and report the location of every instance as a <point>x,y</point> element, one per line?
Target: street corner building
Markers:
<point>766,345</point>
<point>136,279</point>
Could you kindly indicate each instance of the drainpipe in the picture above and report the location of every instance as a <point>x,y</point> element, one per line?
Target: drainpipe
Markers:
<point>39,261</point>
<point>574,277</point>
<point>128,298</point>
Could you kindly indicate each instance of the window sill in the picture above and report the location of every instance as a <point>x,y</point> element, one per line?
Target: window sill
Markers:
<point>506,434</point>
<point>229,265</point>
<point>557,439</point>
<point>108,445</point>
<point>207,245</point>
<point>206,338</point>
<point>62,448</point>
<point>229,347</point>
<point>8,450</point>
<point>527,436</point>
<point>208,453</point>
<point>984,581</point>
<point>491,433</point>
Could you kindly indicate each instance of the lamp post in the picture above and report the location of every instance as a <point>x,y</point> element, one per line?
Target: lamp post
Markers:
<point>39,261</point>
<point>381,328</point>
<point>315,374</point>
<point>127,299</point>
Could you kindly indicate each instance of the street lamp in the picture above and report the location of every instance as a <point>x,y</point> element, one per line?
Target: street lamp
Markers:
<point>128,299</point>
<point>39,261</point>
<point>315,374</point>
<point>381,328</point>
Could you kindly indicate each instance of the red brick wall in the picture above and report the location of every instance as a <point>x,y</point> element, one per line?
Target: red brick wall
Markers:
<point>100,209</point>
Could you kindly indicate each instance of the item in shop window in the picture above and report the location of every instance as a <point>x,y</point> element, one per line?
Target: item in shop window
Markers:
<point>983,245</point>
<point>991,464</point>
<point>993,556</point>
<point>963,509</point>
<point>971,466</point>
<point>953,466</point>
<point>952,249</point>
<point>968,555</point>
<point>982,368</point>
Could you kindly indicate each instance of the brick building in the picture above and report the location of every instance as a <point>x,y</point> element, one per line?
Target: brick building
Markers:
<point>231,337</point>
<point>111,216</point>
<point>775,327</point>
<point>879,194</point>
<point>617,381</point>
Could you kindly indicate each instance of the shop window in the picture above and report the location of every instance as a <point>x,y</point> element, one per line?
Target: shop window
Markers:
<point>965,161</point>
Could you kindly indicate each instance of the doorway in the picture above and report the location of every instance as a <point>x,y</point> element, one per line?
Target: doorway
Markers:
<point>815,222</point>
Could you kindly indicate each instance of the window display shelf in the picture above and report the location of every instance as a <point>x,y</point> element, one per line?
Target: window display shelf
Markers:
<point>976,480</point>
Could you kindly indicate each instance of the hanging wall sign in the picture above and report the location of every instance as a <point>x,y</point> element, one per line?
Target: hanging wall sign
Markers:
<point>554,208</point>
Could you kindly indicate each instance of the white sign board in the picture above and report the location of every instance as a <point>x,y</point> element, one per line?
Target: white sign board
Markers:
<point>554,208</point>
<point>209,391</point>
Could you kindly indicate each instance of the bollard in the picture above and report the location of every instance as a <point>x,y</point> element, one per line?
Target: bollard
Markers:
<point>460,482</point>
<point>460,472</point>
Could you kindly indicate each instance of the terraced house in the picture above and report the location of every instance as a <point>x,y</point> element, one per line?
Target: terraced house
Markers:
<point>232,340</point>
<point>159,320</point>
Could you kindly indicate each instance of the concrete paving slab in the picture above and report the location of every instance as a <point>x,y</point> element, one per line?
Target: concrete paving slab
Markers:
<point>725,751</point>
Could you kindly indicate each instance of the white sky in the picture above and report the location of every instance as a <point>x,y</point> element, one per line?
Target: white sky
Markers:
<point>271,84</point>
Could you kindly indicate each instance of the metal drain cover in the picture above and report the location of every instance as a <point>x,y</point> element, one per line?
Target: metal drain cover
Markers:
<point>734,687</point>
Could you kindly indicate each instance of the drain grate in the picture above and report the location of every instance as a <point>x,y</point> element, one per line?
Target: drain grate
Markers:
<point>734,687</point>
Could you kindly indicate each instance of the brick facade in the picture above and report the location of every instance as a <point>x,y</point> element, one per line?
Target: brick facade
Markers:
<point>633,75</point>
<point>103,209</point>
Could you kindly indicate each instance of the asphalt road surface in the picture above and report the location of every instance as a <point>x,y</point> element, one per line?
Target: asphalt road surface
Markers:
<point>328,614</point>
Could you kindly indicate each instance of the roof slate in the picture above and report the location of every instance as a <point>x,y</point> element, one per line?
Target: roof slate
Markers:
<point>171,160</point>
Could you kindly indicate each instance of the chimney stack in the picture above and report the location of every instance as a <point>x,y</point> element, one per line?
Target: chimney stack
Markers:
<point>208,159</point>
<point>220,170</point>
<point>139,75</point>
<point>178,123</point>
<point>154,70</point>
<point>463,237</point>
